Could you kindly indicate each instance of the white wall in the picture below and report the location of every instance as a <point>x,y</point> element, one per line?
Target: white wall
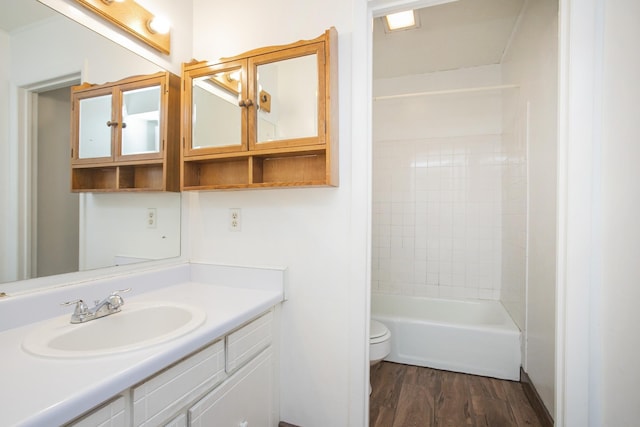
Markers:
<point>438,185</point>
<point>60,47</point>
<point>115,225</point>
<point>514,207</point>
<point>310,231</point>
<point>617,299</point>
<point>178,13</point>
<point>531,62</point>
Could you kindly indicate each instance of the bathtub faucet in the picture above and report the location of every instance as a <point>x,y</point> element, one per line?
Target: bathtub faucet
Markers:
<point>110,305</point>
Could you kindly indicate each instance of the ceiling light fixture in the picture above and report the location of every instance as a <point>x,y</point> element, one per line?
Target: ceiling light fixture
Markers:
<point>401,20</point>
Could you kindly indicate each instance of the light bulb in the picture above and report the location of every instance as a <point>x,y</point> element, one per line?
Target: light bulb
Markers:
<point>159,25</point>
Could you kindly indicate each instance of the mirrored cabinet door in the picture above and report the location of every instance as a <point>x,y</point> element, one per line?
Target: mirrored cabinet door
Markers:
<point>95,127</point>
<point>126,134</point>
<point>287,95</point>
<point>216,103</point>
<point>140,116</point>
<point>290,102</point>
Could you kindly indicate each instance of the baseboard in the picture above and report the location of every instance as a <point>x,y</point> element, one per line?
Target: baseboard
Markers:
<point>283,424</point>
<point>534,399</point>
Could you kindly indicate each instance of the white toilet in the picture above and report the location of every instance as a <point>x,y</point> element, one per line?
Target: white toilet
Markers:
<point>379,342</point>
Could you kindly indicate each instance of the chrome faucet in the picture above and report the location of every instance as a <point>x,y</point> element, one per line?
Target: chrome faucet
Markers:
<point>110,305</point>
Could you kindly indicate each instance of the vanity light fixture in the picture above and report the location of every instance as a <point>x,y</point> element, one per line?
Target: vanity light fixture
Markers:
<point>404,20</point>
<point>134,19</point>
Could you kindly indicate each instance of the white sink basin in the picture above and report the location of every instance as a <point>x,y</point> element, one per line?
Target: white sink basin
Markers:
<point>137,326</point>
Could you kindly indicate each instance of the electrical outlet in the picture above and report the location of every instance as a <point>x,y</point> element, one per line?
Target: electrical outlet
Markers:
<point>152,217</point>
<point>235,219</point>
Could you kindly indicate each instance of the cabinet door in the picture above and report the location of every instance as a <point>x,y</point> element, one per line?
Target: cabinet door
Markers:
<point>246,397</point>
<point>216,111</point>
<point>166,393</point>
<point>93,131</point>
<point>288,87</point>
<point>140,132</point>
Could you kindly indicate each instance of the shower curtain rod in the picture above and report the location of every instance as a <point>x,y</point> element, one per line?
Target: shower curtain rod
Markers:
<point>444,92</point>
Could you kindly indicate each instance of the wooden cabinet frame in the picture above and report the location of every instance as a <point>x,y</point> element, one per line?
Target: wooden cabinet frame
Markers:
<point>155,171</point>
<point>296,162</point>
<point>270,57</point>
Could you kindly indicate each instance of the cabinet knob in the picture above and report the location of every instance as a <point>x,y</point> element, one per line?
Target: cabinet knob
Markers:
<point>245,103</point>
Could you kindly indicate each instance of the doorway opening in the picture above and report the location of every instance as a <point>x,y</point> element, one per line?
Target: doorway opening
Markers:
<point>51,210</point>
<point>57,208</point>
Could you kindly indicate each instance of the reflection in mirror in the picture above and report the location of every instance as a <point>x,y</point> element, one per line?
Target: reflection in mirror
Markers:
<point>42,52</point>
<point>141,121</point>
<point>290,86</point>
<point>215,111</point>
<point>95,136</point>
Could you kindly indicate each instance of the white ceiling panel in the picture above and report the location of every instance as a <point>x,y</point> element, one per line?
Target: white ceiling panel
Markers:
<point>461,34</point>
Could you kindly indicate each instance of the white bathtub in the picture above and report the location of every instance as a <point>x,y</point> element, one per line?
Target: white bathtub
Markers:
<point>471,336</point>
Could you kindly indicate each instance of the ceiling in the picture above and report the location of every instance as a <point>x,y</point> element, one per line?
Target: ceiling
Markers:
<point>460,34</point>
<point>15,14</point>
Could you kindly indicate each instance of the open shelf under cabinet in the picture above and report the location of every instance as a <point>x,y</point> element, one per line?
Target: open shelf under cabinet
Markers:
<point>148,177</point>
<point>256,171</point>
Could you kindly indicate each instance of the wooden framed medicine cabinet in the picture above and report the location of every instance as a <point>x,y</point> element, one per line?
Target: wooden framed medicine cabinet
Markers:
<point>265,118</point>
<point>125,135</point>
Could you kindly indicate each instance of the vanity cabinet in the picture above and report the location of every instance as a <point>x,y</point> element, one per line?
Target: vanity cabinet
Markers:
<point>266,118</point>
<point>167,393</point>
<point>125,135</point>
<point>228,381</point>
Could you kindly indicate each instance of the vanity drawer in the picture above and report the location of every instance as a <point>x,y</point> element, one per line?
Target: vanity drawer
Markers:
<point>245,343</point>
<point>179,421</point>
<point>166,393</point>
<point>245,399</point>
<point>111,414</point>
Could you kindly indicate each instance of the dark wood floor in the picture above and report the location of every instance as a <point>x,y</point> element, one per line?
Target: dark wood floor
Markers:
<point>410,396</point>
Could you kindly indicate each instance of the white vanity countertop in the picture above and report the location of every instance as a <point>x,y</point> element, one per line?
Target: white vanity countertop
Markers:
<point>39,391</point>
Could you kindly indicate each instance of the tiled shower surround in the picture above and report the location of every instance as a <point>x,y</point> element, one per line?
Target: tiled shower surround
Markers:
<point>448,196</point>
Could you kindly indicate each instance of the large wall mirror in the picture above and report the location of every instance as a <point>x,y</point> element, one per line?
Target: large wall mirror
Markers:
<point>49,230</point>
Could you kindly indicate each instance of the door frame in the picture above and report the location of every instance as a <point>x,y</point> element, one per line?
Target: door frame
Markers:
<point>27,176</point>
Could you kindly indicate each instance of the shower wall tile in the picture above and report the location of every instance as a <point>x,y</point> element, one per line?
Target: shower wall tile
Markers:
<point>437,216</point>
<point>449,189</point>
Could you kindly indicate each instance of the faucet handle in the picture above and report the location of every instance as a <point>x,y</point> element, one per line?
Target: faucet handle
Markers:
<point>115,300</point>
<point>81,307</point>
